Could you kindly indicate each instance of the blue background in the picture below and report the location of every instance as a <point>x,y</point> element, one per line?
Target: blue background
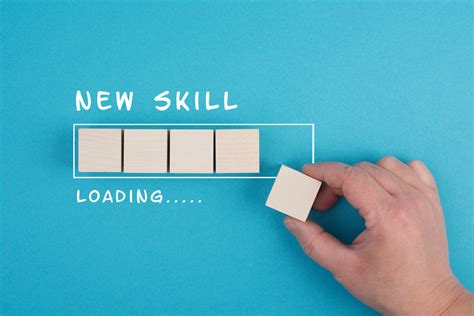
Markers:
<point>377,79</point>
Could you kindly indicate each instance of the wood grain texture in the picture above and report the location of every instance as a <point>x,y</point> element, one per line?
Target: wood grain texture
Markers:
<point>293,193</point>
<point>145,150</point>
<point>237,151</point>
<point>191,151</point>
<point>100,150</point>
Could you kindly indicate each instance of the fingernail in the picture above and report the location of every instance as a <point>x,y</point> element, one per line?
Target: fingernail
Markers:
<point>291,225</point>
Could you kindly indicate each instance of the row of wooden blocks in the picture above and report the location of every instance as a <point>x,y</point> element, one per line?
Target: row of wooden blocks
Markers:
<point>174,151</point>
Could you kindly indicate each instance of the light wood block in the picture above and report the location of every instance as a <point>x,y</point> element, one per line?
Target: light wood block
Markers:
<point>293,193</point>
<point>145,150</point>
<point>237,151</point>
<point>191,151</point>
<point>100,150</point>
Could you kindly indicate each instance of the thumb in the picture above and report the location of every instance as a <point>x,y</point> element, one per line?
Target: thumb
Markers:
<point>319,245</point>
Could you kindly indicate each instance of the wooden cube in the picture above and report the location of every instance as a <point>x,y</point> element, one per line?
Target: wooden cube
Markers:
<point>145,150</point>
<point>191,151</point>
<point>293,193</point>
<point>100,150</point>
<point>237,151</point>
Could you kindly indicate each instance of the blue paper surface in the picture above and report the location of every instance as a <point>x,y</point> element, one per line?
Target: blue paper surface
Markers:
<point>375,79</point>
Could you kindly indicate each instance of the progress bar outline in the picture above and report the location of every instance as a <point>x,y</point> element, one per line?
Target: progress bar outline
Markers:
<point>75,176</point>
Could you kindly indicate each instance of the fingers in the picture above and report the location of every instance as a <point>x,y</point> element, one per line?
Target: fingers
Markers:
<point>416,176</point>
<point>402,171</point>
<point>423,173</point>
<point>358,187</point>
<point>428,180</point>
<point>325,199</point>
<point>391,183</point>
<point>319,245</point>
<point>327,196</point>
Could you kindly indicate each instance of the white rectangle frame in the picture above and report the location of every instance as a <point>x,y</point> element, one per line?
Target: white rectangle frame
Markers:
<point>74,125</point>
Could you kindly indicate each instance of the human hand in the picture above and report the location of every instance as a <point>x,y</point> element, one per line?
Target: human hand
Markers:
<point>399,264</point>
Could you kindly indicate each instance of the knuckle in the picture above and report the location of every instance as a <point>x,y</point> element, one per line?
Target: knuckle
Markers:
<point>364,165</point>
<point>415,201</point>
<point>401,217</point>
<point>406,211</point>
<point>308,248</point>
<point>429,183</point>
<point>416,163</point>
<point>400,210</point>
<point>387,161</point>
<point>354,172</point>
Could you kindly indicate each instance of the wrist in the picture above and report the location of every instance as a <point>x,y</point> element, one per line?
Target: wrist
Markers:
<point>461,304</point>
<point>436,298</point>
<point>448,297</point>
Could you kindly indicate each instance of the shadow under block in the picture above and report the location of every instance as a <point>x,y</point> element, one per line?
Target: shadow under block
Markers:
<point>100,150</point>
<point>293,193</point>
<point>191,151</point>
<point>145,150</point>
<point>237,151</point>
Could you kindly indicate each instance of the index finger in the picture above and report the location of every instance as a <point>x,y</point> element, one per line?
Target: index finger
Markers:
<point>354,183</point>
